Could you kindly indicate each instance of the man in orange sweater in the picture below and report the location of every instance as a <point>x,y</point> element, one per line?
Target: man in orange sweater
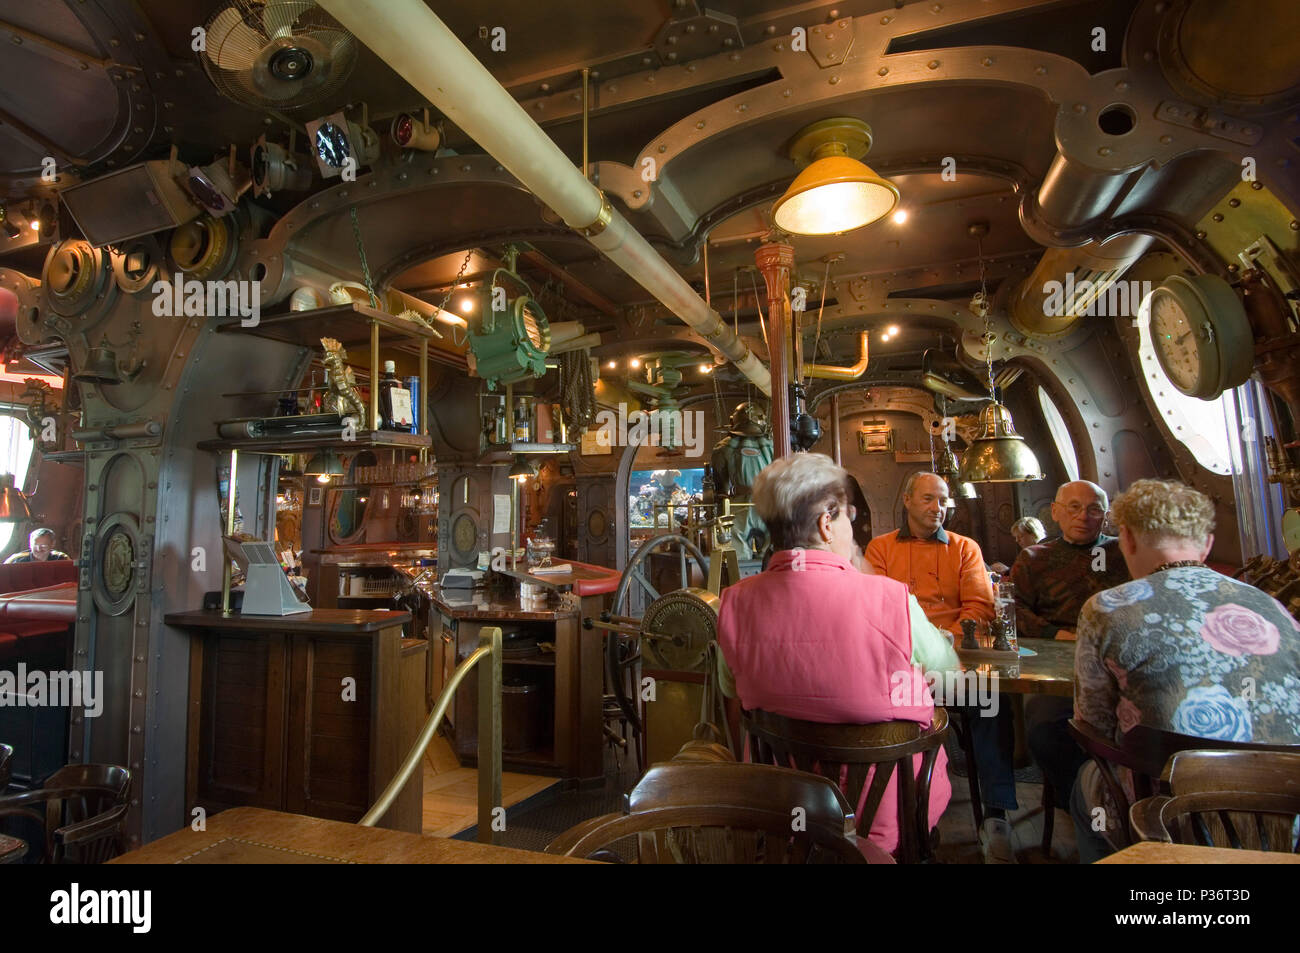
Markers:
<point>945,571</point>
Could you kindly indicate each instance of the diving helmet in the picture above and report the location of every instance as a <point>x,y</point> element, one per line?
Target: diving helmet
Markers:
<point>749,420</point>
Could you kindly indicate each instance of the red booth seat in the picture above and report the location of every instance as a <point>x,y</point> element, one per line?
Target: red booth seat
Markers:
<point>37,612</point>
<point>20,577</point>
<point>39,644</point>
<point>52,603</point>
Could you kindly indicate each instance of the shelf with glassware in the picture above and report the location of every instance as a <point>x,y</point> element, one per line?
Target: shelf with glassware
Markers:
<point>520,423</point>
<point>341,327</point>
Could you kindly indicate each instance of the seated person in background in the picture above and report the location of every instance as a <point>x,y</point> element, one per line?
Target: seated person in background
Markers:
<point>1025,531</point>
<point>814,639</point>
<point>945,571</point>
<point>41,543</point>
<point>1181,648</point>
<point>1053,580</point>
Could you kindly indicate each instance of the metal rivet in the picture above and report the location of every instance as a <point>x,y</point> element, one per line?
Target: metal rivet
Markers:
<point>1217,217</point>
<point>1233,203</point>
<point>883,71</point>
<point>933,64</point>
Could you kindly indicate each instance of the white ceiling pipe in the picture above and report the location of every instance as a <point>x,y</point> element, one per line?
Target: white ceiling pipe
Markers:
<point>410,38</point>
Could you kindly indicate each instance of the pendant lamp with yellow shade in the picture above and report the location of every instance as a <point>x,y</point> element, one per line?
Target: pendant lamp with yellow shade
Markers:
<point>835,192</point>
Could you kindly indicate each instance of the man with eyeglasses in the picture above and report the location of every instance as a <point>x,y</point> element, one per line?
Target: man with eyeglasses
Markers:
<point>1053,580</point>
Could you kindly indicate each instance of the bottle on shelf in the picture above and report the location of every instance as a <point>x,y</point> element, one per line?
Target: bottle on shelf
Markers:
<point>522,430</point>
<point>501,433</point>
<point>394,401</point>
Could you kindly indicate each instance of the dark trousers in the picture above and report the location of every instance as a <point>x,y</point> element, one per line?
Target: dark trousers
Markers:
<point>1048,735</point>
<point>993,740</point>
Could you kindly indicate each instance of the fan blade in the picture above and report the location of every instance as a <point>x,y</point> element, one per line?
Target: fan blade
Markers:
<point>279,18</point>
<point>231,43</point>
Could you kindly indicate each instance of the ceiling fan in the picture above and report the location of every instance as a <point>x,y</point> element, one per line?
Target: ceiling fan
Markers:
<point>276,54</point>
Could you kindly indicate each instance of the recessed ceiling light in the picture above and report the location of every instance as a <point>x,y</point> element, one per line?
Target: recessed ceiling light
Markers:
<point>892,329</point>
<point>635,362</point>
<point>36,225</point>
<point>900,216</point>
<point>466,305</point>
<point>612,364</point>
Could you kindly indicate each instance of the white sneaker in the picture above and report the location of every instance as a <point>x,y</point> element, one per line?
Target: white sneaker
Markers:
<point>997,841</point>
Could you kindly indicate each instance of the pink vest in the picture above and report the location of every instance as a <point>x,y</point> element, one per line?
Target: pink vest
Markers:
<point>814,639</point>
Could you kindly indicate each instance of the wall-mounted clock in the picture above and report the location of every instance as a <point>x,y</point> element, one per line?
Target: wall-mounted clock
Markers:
<point>1201,335</point>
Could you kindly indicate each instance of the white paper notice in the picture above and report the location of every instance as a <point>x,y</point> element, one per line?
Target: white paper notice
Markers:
<point>500,512</point>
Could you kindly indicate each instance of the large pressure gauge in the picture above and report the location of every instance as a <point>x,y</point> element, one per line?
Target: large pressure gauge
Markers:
<point>1201,335</point>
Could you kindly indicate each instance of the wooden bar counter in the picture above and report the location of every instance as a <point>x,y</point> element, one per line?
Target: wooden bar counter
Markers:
<point>562,736</point>
<point>308,713</point>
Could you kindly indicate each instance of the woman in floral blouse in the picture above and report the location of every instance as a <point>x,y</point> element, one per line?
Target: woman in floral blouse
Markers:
<point>1181,648</point>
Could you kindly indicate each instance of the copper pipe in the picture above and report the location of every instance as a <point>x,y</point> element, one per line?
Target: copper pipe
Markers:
<point>833,372</point>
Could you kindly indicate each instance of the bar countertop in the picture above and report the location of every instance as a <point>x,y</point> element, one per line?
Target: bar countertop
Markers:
<point>489,604</point>
<point>318,620</point>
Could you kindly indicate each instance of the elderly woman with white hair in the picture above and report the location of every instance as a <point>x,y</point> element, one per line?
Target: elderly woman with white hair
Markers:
<point>813,638</point>
<point>1176,648</point>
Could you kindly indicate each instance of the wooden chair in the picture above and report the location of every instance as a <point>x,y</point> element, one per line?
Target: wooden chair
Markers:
<point>1240,799</point>
<point>82,812</point>
<point>1145,751</point>
<point>6,766</point>
<point>834,750</point>
<point>720,813</point>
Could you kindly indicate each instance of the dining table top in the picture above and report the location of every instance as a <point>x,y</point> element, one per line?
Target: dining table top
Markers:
<point>12,849</point>
<point>1159,852</point>
<point>1050,671</point>
<point>254,835</point>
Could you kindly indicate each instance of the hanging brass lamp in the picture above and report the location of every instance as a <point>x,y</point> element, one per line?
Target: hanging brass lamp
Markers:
<point>948,469</point>
<point>999,454</point>
<point>835,192</point>
<point>13,503</point>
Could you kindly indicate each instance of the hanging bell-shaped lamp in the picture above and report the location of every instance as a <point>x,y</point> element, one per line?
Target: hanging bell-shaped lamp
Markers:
<point>947,469</point>
<point>101,366</point>
<point>999,454</point>
<point>323,466</point>
<point>13,503</point>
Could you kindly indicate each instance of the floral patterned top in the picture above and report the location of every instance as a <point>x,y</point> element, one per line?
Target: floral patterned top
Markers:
<point>1192,651</point>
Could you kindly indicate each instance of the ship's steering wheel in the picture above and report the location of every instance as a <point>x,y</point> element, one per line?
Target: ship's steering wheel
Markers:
<point>672,633</point>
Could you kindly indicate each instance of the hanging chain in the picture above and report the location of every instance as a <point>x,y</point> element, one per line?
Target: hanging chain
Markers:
<point>365,266</point>
<point>988,324</point>
<point>446,299</point>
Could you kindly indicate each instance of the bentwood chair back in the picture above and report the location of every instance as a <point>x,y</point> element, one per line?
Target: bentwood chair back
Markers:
<point>1146,752</point>
<point>6,766</point>
<point>81,809</point>
<point>859,754</point>
<point>1241,820</point>
<point>1239,799</point>
<point>723,813</point>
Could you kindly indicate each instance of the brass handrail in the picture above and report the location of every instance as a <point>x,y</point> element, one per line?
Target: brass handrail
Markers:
<point>489,737</point>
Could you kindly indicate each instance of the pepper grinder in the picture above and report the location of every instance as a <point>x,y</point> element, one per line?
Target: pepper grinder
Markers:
<point>999,629</point>
<point>968,634</point>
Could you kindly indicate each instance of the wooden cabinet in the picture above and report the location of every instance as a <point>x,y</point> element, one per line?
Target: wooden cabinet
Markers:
<point>310,714</point>
<point>569,683</point>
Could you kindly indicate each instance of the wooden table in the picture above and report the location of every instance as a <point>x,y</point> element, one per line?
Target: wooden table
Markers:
<point>253,835</point>
<point>12,849</point>
<point>1050,672</point>
<point>1158,852</point>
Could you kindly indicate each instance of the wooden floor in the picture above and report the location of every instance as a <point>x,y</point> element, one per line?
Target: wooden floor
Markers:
<point>451,792</point>
<point>959,841</point>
